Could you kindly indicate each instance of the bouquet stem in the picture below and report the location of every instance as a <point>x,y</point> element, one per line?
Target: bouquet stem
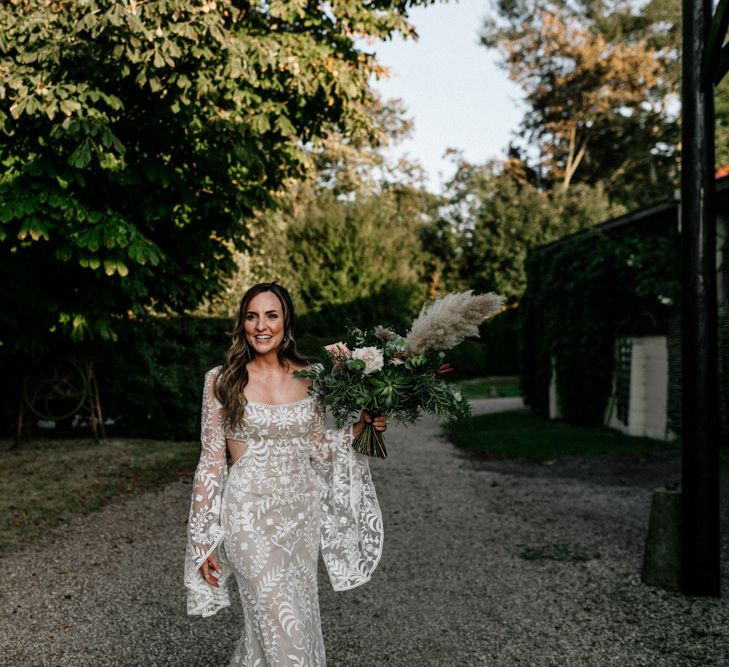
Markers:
<point>370,443</point>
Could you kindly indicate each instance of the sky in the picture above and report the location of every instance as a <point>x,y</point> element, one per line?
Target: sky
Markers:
<point>452,88</point>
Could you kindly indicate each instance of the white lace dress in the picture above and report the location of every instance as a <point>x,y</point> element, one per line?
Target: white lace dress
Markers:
<point>297,488</point>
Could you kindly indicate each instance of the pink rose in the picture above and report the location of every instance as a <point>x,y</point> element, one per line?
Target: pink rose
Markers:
<point>337,350</point>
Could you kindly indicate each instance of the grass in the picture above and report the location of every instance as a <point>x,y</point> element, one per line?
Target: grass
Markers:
<point>525,435</point>
<point>490,387</point>
<point>46,483</point>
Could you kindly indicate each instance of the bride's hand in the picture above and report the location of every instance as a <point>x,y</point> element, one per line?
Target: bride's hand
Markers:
<point>380,423</point>
<point>207,569</point>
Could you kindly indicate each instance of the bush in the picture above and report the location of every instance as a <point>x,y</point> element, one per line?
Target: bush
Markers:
<point>394,304</point>
<point>494,353</point>
<point>310,346</point>
<point>468,359</point>
<point>150,380</point>
<point>500,336</point>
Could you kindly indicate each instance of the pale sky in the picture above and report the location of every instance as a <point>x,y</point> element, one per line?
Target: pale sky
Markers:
<point>452,88</point>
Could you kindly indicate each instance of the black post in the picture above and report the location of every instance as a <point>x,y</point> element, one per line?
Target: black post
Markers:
<point>700,562</point>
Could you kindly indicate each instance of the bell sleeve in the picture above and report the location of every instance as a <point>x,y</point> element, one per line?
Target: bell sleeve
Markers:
<point>204,532</point>
<point>351,521</point>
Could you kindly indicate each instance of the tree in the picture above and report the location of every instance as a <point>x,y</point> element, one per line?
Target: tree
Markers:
<point>343,257</point>
<point>598,83</point>
<point>338,254</point>
<point>343,250</point>
<point>498,218</point>
<point>358,163</point>
<point>139,138</point>
<point>349,172</point>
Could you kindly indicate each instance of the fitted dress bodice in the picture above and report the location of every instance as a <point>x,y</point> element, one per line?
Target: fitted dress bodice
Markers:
<point>278,453</point>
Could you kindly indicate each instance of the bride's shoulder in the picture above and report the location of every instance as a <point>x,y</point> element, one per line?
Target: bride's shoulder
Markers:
<point>212,374</point>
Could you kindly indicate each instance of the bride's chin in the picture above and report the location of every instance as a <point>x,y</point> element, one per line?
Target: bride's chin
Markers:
<point>265,348</point>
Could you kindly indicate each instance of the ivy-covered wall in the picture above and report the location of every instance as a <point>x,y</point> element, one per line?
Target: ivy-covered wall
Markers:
<point>581,294</point>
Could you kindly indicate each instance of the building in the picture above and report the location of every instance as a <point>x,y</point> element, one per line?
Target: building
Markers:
<point>645,396</point>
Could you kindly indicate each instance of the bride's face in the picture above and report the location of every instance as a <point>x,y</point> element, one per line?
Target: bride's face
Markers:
<point>264,323</point>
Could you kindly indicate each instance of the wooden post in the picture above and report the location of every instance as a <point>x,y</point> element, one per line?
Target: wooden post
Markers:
<point>700,552</point>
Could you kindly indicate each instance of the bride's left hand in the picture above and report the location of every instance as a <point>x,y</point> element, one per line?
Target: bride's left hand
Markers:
<point>379,422</point>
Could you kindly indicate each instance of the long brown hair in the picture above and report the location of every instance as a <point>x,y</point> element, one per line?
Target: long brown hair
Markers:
<point>233,375</point>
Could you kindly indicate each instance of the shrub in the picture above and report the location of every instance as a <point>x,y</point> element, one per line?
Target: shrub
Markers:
<point>150,380</point>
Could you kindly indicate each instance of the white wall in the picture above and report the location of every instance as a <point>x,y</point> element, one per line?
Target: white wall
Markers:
<point>648,406</point>
<point>555,411</point>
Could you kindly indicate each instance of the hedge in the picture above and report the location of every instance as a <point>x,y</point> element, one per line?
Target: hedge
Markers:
<point>150,379</point>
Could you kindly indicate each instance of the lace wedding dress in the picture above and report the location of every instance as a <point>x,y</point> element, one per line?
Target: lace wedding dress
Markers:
<point>296,489</point>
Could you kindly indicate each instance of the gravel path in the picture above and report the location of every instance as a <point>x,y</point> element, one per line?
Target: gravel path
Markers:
<point>466,578</point>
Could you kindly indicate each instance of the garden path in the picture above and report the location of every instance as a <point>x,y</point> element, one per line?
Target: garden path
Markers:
<point>481,566</point>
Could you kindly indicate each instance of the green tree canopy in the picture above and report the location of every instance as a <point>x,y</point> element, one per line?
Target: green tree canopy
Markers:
<point>345,250</point>
<point>139,138</point>
<point>599,80</point>
<point>497,216</point>
<point>355,196</point>
<point>355,256</point>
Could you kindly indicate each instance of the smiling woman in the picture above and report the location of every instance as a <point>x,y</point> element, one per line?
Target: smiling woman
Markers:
<point>294,488</point>
<point>262,353</point>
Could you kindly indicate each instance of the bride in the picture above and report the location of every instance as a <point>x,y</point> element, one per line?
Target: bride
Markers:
<point>293,488</point>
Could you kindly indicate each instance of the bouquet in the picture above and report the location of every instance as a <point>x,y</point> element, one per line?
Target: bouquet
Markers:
<point>401,376</point>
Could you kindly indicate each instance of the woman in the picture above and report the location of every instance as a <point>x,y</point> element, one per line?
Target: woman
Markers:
<point>293,487</point>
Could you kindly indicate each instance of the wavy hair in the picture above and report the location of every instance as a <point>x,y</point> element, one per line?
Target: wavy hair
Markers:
<point>233,375</point>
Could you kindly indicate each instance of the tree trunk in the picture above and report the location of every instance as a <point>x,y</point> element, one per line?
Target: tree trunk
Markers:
<point>574,157</point>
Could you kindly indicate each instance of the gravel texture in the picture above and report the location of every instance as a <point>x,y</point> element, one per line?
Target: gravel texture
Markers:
<point>485,563</point>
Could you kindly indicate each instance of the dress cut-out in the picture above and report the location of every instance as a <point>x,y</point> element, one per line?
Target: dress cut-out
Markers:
<point>298,488</point>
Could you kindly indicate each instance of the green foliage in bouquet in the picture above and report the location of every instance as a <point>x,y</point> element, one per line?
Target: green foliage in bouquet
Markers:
<point>401,377</point>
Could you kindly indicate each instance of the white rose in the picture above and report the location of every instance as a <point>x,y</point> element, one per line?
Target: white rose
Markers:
<point>372,358</point>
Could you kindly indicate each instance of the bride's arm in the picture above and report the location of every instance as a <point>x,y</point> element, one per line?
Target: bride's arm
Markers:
<point>322,438</point>
<point>204,526</point>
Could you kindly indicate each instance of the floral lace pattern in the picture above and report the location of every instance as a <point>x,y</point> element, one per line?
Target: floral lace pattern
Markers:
<point>298,487</point>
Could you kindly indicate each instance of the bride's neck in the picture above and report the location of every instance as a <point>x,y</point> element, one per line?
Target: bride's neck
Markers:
<point>267,364</point>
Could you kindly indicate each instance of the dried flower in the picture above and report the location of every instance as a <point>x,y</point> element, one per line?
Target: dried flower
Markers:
<point>383,334</point>
<point>445,322</point>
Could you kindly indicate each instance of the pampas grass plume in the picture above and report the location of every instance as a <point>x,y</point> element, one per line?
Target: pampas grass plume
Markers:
<point>445,322</point>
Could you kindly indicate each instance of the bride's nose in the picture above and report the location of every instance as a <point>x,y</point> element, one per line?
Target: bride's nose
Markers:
<point>261,324</point>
